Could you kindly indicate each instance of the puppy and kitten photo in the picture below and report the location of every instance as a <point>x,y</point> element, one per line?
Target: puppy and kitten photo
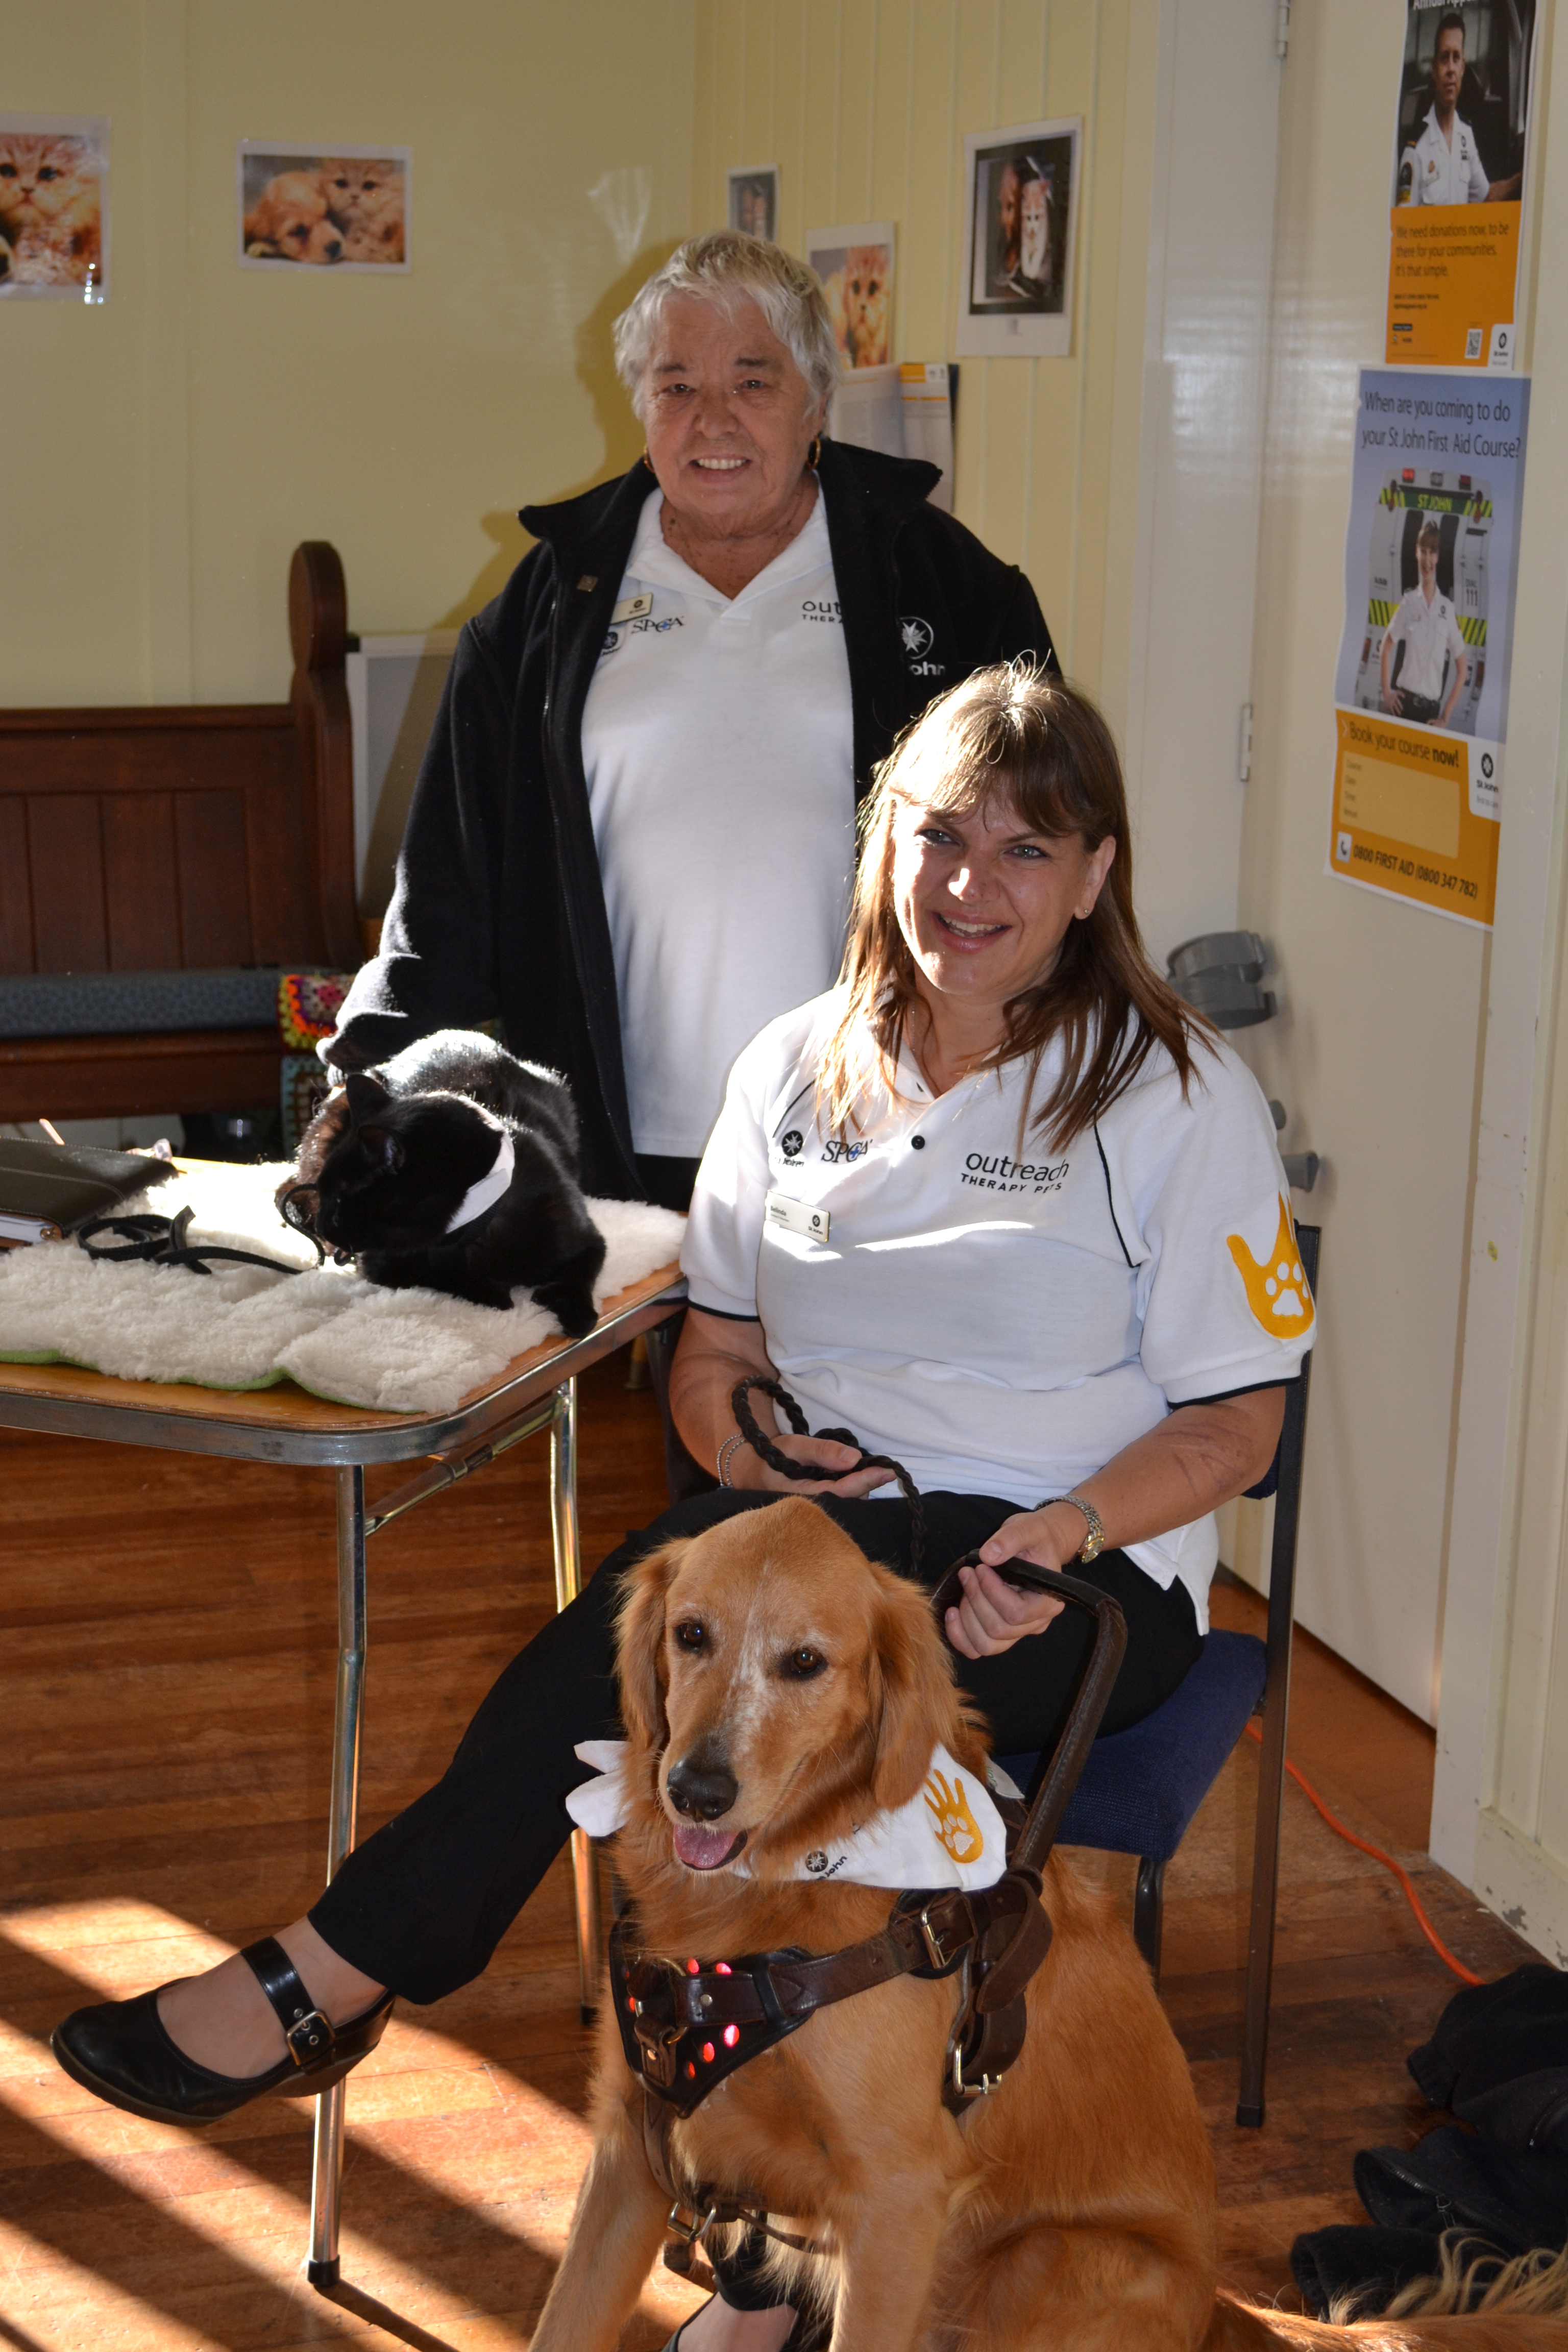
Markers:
<point>344,211</point>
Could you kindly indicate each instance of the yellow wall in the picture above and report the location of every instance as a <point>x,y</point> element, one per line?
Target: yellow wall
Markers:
<point>165,454</point>
<point>863,105</point>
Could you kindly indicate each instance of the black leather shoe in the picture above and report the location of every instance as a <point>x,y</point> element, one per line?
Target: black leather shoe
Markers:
<point>118,2049</point>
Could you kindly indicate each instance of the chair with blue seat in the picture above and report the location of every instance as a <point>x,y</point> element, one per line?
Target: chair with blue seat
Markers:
<point>1141,1788</point>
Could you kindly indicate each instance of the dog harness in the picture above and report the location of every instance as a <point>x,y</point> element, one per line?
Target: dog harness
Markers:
<point>686,2026</point>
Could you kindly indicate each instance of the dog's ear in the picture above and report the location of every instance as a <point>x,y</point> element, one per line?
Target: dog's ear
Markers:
<point>639,1642</point>
<point>918,1702</point>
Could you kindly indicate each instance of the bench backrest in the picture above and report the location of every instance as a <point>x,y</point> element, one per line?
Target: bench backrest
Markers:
<point>161,839</point>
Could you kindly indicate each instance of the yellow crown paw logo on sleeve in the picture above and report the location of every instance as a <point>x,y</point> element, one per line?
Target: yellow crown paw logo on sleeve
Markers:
<point>1276,1290</point>
<point>955,1826</point>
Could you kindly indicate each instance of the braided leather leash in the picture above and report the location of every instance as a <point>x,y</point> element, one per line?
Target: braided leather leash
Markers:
<point>161,1241</point>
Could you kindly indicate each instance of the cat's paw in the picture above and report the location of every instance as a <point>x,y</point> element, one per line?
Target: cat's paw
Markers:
<point>571,1304</point>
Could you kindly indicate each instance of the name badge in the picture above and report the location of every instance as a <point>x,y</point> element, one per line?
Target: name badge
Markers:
<point>633,608</point>
<point>798,1217</point>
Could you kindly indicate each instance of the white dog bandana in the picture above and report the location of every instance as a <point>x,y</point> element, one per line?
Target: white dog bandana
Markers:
<point>949,1835</point>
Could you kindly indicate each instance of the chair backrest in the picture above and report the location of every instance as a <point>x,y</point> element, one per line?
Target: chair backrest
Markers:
<point>189,837</point>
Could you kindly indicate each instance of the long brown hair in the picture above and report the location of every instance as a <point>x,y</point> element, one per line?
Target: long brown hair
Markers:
<point>1017,734</point>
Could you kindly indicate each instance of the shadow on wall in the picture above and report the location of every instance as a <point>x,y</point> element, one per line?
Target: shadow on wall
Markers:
<point>623,435</point>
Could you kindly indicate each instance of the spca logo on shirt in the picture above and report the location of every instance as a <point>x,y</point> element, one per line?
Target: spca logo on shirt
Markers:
<point>839,1153</point>
<point>642,628</point>
<point>996,1172</point>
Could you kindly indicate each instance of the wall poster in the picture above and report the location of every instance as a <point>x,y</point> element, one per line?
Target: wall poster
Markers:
<point>54,207</point>
<point>1421,689</point>
<point>856,267</point>
<point>1458,170</point>
<point>1020,221</point>
<point>752,195</point>
<point>344,210</point>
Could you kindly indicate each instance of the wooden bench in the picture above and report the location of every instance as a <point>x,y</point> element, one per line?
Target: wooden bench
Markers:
<point>179,839</point>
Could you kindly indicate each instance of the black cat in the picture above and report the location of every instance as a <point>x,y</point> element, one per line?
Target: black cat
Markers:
<point>408,1167</point>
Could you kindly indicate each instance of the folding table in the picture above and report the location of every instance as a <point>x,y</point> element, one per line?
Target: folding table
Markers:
<point>536,1392</point>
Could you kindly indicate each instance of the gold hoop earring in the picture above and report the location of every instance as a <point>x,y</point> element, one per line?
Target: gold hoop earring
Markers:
<point>813,454</point>
<point>647,461</point>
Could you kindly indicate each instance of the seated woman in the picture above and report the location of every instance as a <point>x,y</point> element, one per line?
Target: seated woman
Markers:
<point>1000,1205</point>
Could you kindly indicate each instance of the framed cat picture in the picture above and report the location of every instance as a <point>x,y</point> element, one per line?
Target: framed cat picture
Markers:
<point>342,208</point>
<point>54,207</point>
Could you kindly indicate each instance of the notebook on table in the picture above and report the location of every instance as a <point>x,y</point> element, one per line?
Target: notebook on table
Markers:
<point>47,1190</point>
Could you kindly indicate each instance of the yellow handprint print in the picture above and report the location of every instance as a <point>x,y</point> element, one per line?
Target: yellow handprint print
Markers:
<point>956,1827</point>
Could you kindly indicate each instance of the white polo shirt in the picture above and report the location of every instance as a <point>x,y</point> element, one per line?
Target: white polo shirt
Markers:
<point>1445,175</point>
<point>1003,1321</point>
<point>719,744</point>
<point>1431,636</point>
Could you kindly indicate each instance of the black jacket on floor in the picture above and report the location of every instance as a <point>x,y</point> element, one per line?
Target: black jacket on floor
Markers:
<point>1499,2059</point>
<point>499,910</point>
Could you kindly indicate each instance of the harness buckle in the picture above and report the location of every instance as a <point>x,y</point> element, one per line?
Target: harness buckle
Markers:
<point>658,2045</point>
<point>963,2090</point>
<point>686,2223</point>
<point>932,1936</point>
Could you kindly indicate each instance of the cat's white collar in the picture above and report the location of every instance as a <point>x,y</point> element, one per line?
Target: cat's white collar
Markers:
<point>488,1191</point>
<point>949,1835</point>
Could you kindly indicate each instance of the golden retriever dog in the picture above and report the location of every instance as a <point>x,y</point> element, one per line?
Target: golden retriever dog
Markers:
<point>365,201</point>
<point>1073,2209</point>
<point>288,222</point>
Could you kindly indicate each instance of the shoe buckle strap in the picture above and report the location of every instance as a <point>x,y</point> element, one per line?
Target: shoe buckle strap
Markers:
<point>310,2038</point>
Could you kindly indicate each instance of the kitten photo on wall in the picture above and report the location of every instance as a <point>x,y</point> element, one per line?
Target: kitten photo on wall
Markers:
<point>346,208</point>
<point>54,207</point>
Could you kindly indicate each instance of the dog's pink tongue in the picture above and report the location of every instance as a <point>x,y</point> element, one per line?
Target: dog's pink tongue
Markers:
<point>704,1849</point>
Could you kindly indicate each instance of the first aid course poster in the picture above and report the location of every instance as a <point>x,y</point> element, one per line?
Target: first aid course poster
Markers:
<point>1421,688</point>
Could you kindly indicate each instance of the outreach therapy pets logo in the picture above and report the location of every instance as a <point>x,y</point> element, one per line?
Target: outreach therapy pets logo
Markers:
<point>1276,1290</point>
<point>954,1824</point>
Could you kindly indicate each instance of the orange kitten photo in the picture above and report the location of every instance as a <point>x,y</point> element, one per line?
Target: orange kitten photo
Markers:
<point>856,267</point>
<point>52,208</point>
<point>342,211</point>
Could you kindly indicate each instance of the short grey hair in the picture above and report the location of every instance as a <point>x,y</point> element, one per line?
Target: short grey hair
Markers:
<point>722,267</point>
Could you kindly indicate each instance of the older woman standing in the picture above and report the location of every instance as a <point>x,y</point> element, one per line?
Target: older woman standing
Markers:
<point>632,839</point>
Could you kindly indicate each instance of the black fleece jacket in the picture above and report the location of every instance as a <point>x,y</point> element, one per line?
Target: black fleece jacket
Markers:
<point>499,909</point>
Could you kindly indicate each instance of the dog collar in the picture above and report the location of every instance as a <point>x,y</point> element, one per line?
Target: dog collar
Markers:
<point>489,1190</point>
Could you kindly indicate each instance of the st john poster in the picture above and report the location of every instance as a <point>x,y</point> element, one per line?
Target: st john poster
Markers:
<point>1422,684</point>
<point>1461,128</point>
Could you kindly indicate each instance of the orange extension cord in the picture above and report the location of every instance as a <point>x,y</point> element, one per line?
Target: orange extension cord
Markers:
<point>1422,1921</point>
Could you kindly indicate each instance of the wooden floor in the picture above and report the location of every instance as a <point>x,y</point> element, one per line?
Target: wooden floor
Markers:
<point>168,1672</point>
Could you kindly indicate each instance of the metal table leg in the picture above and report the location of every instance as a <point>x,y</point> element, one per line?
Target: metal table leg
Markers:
<point>568,1584</point>
<point>327,2170</point>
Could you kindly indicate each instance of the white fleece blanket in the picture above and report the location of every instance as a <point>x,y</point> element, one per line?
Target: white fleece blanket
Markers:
<point>240,1327</point>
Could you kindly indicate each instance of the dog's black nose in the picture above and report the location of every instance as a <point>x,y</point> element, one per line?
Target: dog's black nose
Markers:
<point>701,1792</point>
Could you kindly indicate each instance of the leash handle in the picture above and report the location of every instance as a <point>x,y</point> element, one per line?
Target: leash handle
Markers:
<point>762,1445</point>
<point>1090,1697</point>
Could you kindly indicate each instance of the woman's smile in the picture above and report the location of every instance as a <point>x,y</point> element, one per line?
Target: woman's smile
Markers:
<point>968,933</point>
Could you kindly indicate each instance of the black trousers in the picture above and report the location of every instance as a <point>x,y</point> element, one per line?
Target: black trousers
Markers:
<point>423,1903</point>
